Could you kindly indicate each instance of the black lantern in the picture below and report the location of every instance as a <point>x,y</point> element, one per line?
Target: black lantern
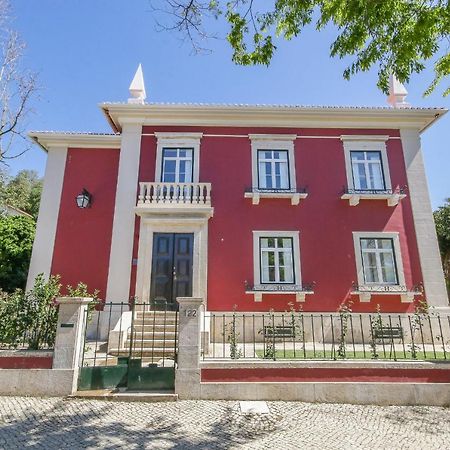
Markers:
<point>84,199</point>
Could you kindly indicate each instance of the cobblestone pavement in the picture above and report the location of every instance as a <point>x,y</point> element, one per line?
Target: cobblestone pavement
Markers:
<point>56,423</point>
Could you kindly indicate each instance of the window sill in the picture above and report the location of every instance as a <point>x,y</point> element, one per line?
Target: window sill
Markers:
<point>257,194</point>
<point>365,292</point>
<point>299,291</point>
<point>392,197</point>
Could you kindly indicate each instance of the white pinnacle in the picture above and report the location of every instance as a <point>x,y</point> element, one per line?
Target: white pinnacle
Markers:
<point>397,93</point>
<point>137,87</point>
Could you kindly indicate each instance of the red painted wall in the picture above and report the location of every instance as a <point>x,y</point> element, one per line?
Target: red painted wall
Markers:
<point>324,220</point>
<point>83,236</point>
<point>26,362</point>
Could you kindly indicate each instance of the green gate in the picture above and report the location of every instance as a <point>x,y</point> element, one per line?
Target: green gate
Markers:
<point>130,346</point>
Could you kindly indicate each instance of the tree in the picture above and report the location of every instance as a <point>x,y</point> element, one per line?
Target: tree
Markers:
<point>442,220</point>
<point>17,88</point>
<point>399,37</point>
<point>22,191</point>
<point>16,243</point>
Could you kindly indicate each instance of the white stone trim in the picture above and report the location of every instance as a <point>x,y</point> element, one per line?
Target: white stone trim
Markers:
<point>172,224</point>
<point>365,143</point>
<point>189,140</point>
<point>119,272</point>
<point>430,260</point>
<point>365,295</point>
<point>44,242</point>
<point>294,235</point>
<point>48,139</point>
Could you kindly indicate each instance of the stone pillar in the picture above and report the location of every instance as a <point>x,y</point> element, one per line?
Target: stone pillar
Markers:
<point>70,332</point>
<point>187,375</point>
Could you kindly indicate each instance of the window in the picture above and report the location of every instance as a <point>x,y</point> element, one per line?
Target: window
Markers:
<point>367,170</point>
<point>273,169</point>
<point>378,261</point>
<point>177,157</point>
<point>177,165</point>
<point>366,163</point>
<point>277,264</point>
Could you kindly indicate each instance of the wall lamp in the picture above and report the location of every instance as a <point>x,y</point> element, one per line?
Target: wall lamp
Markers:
<point>84,199</point>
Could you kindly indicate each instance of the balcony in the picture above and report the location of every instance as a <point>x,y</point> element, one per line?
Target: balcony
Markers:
<point>365,292</point>
<point>392,196</point>
<point>174,198</point>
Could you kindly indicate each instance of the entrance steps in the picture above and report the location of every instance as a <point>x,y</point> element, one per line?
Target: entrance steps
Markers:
<point>126,396</point>
<point>154,336</point>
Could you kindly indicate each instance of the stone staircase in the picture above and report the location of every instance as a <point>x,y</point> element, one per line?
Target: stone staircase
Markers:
<point>152,336</point>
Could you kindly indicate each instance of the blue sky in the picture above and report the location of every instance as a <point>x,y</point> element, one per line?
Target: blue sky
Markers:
<point>86,52</point>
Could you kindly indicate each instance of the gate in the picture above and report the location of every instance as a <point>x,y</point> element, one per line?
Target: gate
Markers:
<point>130,346</point>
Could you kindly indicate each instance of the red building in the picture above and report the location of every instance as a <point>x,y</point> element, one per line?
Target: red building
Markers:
<point>249,207</point>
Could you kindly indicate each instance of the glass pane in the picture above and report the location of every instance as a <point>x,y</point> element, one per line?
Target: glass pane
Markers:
<point>376,176</point>
<point>271,257</point>
<point>388,267</point>
<point>370,267</point>
<point>360,176</point>
<point>170,153</point>
<point>271,242</point>
<point>264,242</point>
<point>271,274</point>
<point>282,274</point>
<point>368,243</point>
<point>385,243</point>
<point>373,156</point>
<point>289,272</point>
<point>357,155</point>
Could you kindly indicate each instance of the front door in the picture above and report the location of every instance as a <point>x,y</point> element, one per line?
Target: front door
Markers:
<point>172,262</point>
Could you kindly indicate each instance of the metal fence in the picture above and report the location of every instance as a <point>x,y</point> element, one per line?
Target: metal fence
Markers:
<point>119,332</point>
<point>298,335</point>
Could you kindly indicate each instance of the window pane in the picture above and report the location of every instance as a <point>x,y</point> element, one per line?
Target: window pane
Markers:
<point>170,153</point>
<point>385,243</point>
<point>286,243</point>
<point>388,267</point>
<point>376,176</point>
<point>264,242</point>
<point>374,156</point>
<point>370,267</point>
<point>368,243</point>
<point>271,242</point>
<point>357,155</point>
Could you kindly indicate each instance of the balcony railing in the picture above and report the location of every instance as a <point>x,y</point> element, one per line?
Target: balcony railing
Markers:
<point>153,196</point>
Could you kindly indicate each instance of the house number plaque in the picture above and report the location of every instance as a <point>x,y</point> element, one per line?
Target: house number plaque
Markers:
<point>191,313</point>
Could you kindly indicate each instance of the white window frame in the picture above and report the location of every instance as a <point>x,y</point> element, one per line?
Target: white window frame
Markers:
<point>177,160</point>
<point>178,140</point>
<point>366,290</point>
<point>367,163</point>
<point>273,162</point>
<point>368,144</point>
<point>283,142</point>
<point>276,250</point>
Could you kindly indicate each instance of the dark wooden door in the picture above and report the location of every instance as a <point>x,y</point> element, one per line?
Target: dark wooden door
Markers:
<point>171,268</point>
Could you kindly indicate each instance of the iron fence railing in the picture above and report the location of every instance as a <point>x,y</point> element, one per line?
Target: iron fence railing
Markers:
<point>125,331</point>
<point>299,335</point>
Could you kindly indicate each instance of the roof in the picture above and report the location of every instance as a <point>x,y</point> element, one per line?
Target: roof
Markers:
<point>288,116</point>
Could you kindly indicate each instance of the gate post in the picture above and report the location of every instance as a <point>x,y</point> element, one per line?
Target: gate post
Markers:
<point>69,340</point>
<point>187,374</point>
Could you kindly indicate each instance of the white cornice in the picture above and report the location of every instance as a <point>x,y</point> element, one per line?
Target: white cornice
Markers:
<point>80,140</point>
<point>271,116</point>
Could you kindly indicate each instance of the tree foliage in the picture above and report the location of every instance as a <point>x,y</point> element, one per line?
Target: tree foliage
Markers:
<point>22,191</point>
<point>17,88</point>
<point>16,243</point>
<point>397,36</point>
<point>442,220</point>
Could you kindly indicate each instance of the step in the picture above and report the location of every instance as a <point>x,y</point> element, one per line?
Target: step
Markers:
<point>154,321</point>
<point>145,352</point>
<point>150,334</point>
<point>152,343</point>
<point>126,396</point>
<point>155,314</point>
<point>158,327</point>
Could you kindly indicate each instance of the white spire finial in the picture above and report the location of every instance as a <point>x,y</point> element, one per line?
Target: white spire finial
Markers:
<point>137,87</point>
<point>397,93</point>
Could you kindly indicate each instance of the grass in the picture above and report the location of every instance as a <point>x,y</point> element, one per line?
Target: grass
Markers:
<point>350,354</point>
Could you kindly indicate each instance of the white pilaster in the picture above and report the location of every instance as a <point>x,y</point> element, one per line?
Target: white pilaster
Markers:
<point>119,273</point>
<point>430,260</point>
<point>44,241</point>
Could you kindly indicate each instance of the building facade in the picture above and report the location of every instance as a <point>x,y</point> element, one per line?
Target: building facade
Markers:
<point>252,208</point>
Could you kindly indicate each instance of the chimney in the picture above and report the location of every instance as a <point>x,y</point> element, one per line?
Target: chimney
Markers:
<point>137,88</point>
<point>397,93</point>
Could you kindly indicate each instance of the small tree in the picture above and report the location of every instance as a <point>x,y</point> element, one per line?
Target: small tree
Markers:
<point>16,243</point>
<point>442,220</point>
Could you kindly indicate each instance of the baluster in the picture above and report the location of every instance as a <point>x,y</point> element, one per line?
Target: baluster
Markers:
<point>208,194</point>
<point>148,193</point>
<point>196,193</point>
<point>155,192</point>
<point>182,192</point>
<point>141,193</point>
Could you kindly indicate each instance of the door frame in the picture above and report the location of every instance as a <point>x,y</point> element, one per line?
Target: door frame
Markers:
<point>198,226</point>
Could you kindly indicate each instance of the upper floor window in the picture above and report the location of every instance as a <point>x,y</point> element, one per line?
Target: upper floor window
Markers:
<point>367,170</point>
<point>177,157</point>
<point>277,260</point>
<point>177,165</point>
<point>273,169</point>
<point>378,260</point>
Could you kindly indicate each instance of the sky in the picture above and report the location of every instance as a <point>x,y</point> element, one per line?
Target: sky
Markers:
<point>86,52</point>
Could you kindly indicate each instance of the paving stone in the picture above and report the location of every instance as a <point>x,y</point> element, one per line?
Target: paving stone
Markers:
<point>56,423</point>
